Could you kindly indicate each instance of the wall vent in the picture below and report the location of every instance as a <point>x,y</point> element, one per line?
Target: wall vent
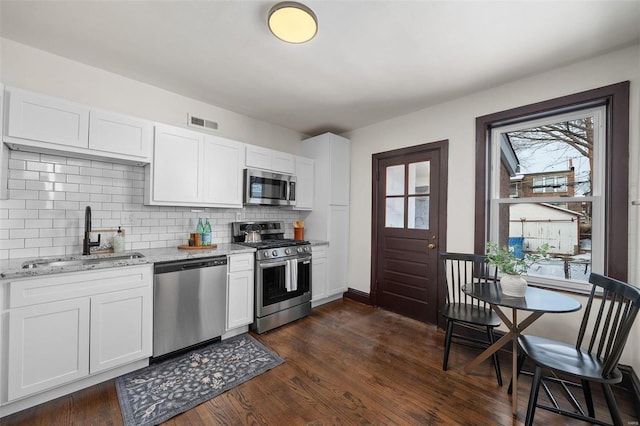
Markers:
<point>201,123</point>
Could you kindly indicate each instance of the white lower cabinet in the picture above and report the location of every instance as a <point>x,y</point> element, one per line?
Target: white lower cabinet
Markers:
<point>240,291</point>
<point>48,346</point>
<point>66,327</point>
<point>319,271</point>
<point>120,328</point>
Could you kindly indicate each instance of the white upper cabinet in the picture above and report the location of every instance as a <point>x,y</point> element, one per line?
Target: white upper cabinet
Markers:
<point>193,169</point>
<point>223,165</point>
<point>175,167</point>
<point>120,134</point>
<point>46,119</point>
<point>269,159</point>
<point>4,155</point>
<point>304,183</point>
<point>42,123</point>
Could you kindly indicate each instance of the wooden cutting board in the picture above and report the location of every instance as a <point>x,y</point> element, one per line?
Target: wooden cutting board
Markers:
<point>185,247</point>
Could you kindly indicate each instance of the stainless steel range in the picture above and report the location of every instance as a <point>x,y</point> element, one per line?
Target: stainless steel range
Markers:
<point>282,274</point>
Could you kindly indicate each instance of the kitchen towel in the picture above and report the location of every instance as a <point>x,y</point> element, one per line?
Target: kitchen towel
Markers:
<point>156,393</point>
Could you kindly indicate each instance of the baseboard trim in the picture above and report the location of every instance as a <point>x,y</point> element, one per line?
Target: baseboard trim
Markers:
<point>631,382</point>
<point>357,295</point>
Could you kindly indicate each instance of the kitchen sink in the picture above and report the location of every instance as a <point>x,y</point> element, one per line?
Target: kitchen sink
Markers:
<point>78,261</point>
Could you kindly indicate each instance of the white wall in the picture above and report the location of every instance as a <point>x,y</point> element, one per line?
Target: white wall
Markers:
<point>32,69</point>
<point>455,121</point>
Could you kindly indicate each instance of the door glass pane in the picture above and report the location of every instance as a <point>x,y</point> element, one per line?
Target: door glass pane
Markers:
<point>419,177</point>
<point>395,180</point>
<point>394,217</point>
<point>418,212</point>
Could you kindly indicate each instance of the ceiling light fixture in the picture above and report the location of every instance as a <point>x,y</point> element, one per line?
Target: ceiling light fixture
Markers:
<point>293,22</point>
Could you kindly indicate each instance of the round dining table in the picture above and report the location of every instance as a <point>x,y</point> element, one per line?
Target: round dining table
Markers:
<point>538,301</point>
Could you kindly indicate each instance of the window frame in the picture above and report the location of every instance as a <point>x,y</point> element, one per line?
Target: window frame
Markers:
<point>615,98</point>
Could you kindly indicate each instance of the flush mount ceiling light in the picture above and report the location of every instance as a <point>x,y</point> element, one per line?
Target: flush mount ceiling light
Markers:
<point>293,22</point>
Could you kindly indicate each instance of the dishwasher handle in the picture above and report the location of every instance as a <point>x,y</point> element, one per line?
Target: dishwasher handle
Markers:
<point>181,265</point>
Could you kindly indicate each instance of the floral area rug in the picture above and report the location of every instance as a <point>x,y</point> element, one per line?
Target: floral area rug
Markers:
<point>158,392</point>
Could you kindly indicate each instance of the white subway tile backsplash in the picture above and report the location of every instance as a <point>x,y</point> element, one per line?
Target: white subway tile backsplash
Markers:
<point>44,215</point>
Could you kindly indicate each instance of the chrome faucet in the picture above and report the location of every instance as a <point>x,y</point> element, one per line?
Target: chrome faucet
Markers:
<point>86,243</point>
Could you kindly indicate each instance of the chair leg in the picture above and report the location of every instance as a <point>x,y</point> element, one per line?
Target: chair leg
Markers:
<point>521,359</point>
<point>533,396</point>
<point>496,361</point>
<point>447,344</point>
<point>586,388</point>
<point>611,403</point>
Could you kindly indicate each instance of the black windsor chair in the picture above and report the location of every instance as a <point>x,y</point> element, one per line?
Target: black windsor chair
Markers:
<point>466,311</point>
<point>604,329</point>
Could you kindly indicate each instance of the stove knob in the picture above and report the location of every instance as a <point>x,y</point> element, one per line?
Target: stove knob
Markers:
<point>306,248</point>
<point>287,251</point>
<point>274,253</point>
<point>300,249</point>
<point>266,253</point>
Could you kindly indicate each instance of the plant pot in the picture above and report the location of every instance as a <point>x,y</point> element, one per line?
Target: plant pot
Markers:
<point>513,285</point>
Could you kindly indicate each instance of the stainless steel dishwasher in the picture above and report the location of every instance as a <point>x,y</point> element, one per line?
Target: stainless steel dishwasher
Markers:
<point>189,303</point>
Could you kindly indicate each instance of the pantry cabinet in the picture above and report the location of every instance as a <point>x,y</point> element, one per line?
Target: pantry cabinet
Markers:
<point>304,183</point>
<point>66,327</point>
<point>40,123</point>
<point>240,291</point>
<point>329,219</point>
<point>193,169</point>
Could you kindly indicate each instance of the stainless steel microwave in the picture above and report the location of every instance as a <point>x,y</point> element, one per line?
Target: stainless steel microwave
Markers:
<point>266,188</point>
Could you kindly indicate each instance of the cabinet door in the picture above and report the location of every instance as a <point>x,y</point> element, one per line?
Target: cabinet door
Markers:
<point>258,157</point>
<point>319,276</point>
<point>119,134</point>
<point>223,165</point>
<point>121,325</point>
<point>239,299</point>
<point>340,176</point>
<point>338,249</point>
<point>4,152</point>
<point>176,165</point>
<point>48,346</point>
<point>304,183</point>
<point>283,162</point>
<point>46,119</point>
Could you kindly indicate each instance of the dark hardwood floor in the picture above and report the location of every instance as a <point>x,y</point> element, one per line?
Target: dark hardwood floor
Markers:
<point>346,364</point>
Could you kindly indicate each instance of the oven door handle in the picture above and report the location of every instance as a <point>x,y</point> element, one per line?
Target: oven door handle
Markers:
<point>293,274</point>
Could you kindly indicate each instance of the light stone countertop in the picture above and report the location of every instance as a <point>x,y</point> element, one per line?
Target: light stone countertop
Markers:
<point>11,269</point>
<point>318,242</point>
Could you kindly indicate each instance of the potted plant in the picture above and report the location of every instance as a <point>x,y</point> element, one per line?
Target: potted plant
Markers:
<point>511,267</point>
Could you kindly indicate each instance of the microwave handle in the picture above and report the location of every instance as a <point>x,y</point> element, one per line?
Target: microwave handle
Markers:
<point>291,189</point>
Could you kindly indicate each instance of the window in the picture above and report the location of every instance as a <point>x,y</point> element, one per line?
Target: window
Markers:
<point>416,195</point>
<point>556,161</point>
<point>525,178</point>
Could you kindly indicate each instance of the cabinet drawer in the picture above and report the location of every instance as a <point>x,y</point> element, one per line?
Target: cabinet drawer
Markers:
<point>51,288</point>
<point>241,262</point>
<point>319,251</point>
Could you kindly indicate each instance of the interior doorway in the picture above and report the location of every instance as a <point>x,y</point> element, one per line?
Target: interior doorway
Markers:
<point>409,226</point>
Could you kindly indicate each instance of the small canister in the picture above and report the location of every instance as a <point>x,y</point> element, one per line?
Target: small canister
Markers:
<point>195,236</point>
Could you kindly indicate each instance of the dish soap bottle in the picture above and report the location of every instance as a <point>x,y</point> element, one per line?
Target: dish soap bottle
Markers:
<point>118,241</point>
<point>206,236</point>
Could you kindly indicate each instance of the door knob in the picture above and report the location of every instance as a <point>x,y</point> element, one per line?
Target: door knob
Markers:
<point>431,246</point>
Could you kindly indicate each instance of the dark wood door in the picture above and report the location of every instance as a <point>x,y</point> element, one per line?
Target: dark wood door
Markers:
<point>409,226</point>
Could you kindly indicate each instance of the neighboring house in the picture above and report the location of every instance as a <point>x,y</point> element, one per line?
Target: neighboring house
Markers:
<point>545,223</point>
